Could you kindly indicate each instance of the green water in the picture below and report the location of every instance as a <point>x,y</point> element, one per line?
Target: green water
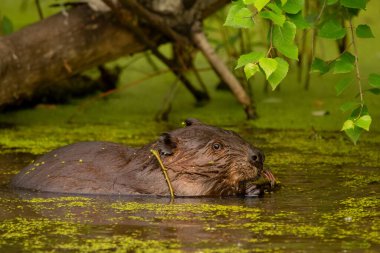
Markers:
<point>329,202</point>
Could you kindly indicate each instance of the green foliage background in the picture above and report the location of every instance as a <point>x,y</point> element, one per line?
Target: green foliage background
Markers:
<point>331,20</point>
<point>130,111</point>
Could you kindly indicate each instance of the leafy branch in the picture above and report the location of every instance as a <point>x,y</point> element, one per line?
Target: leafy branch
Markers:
<point>285,17</point>
<point>358,78</point>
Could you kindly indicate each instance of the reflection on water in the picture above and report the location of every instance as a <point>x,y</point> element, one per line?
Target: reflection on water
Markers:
<point>329,202</point>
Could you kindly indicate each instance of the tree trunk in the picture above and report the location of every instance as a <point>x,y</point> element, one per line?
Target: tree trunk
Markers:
<point>57,48</point>
<point>61,46</point>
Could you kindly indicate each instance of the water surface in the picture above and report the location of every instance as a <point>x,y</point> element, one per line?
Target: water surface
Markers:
<point>329,202</point>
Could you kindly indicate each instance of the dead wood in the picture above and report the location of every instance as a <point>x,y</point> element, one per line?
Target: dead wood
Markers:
<point>45,54</point>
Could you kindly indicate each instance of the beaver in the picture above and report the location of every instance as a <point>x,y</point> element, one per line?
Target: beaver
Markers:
<point>196,160</point>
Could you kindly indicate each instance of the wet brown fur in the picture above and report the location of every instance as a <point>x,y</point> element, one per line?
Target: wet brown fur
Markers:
<point>195,166</point>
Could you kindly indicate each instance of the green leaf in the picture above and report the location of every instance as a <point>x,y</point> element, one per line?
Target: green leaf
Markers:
<point>283,2</point>
<point>374,80</point>
<point>279,74</point>
<point>268,65</point>
<point>375,91</point>
<point>284,34</point>
<point>299,20</point>
<point>348,124</point>
<point>239,16</point>
<point>348,106</point>
<point>248,2</point>
<point>319,65</point>
<point>344,64</point>
<point>354,4</point>
<point>331,2</point>
<point>293,6</point>
<point>250,70</point>
<point>359,111</point>
<point>289,50</point>
<point>275,8</point>
<point>364,122</point>
<point>252,57</point>
<point>277,19</point>
<point>6,26</point>
<point>343,84</point>
<point>332,29</point>
<point>283,40</point>
<point>354,133</point>
<point>260,4</point>
<point>364,31</point>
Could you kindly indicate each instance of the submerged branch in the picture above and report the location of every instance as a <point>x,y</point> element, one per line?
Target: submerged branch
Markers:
<point>165,171</point>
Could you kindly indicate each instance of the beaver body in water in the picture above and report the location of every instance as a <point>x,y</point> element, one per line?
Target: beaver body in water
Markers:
<point>200,160</point>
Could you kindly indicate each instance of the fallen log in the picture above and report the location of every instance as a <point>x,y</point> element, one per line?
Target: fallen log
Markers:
<point>44,55</point>
<point>56,48</point>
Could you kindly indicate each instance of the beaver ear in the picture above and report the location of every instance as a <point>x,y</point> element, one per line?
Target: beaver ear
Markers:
<point>166,144</point>
<point>192,122</point>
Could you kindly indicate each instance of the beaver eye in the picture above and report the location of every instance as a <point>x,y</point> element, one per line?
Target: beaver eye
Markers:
<point>216,146</point>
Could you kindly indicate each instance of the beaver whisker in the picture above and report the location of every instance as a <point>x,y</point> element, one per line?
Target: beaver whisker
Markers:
<point>222,193</point>
<point>215,187</point>
<point>193,173</point>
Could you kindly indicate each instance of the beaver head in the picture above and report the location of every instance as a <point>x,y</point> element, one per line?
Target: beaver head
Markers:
<point>206,160</point>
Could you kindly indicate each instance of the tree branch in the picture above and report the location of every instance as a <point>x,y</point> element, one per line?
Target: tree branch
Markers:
<point>60,46</point>
<point>358,77</point>
<point>217,64</point>
<point>122,16</point>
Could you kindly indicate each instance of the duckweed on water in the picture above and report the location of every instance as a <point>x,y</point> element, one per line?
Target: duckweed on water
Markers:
<point>365,202</point>
<point>69,200</point>
<point>234,217</point>
<point>356,218</point>
<point>206,212</point>
<point>357,209</point>
<point>49,235</point>
<point>41,233</point>
<point>39,139</point>
<point>358,180</point>
<point>193,208</point>
<point>19,231</point>
<point>120,244</point>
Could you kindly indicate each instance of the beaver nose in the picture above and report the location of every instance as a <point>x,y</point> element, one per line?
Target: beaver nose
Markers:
<point>257,156</point>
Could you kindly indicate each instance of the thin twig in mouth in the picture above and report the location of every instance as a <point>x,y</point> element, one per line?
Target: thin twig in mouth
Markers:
<point>269,175</point>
